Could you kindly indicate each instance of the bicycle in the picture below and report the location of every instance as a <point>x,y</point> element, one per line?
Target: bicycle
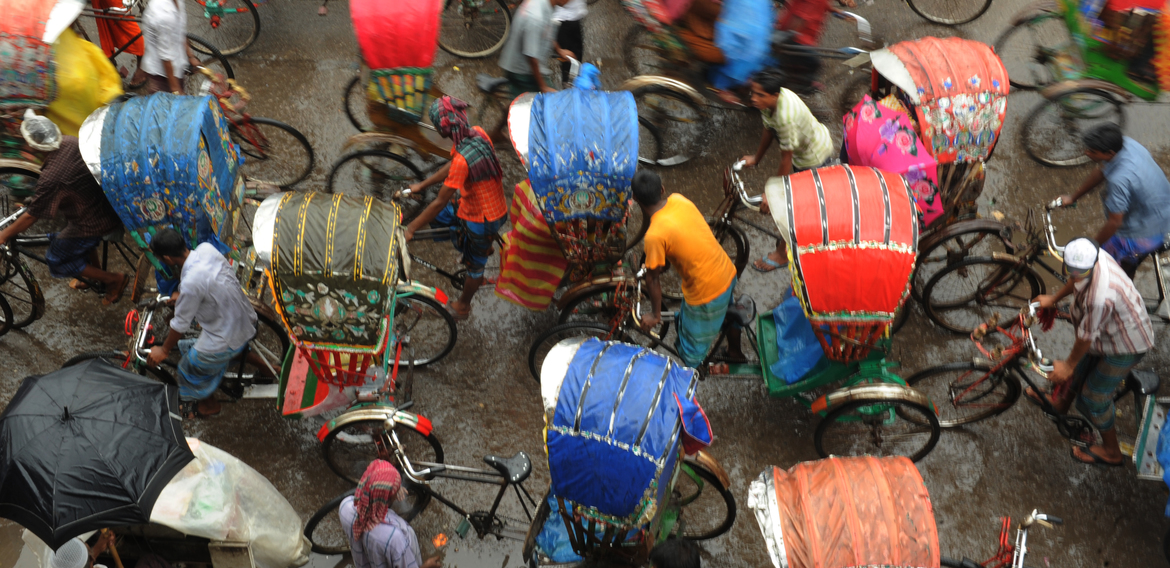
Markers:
<point>965,293</point>
<point>232,24</point>
<point>283,157</point>
<point>475,28</point>
<point>1008,555</point>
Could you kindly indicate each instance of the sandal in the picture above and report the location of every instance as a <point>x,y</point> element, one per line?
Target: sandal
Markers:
<point>192,409</point>
<point>768,265</point>
<point>1096,459</point>
<point>722,356</point>
<point>78,284</point>
<point>458,315</point>
<point>1034,398</point>
<point>114,295</point>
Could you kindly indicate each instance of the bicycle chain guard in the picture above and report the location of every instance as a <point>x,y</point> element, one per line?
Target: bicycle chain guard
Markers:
<point>1078,431</point>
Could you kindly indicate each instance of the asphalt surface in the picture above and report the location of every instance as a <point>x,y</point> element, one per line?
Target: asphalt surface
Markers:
<point>481,399</point>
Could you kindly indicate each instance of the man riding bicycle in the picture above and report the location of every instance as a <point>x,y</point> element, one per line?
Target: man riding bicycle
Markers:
<point>212,297</point>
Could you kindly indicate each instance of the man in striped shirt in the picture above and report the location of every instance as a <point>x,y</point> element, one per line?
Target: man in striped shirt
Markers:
<point>1113,333</point>
<point>804,142</point>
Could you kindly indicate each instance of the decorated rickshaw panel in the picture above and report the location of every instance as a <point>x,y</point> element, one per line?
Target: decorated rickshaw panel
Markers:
<point>614,437</point>
<point>26,68</point>
<point>168,161</point>
<point>333,269</point>
<point>398,42</point>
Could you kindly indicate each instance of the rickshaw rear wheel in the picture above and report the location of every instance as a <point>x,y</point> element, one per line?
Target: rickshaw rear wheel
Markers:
<point>955,243</point>
<point>234,31</point>
<point>198,84</point>
<point>878,426</point>
<point>965,294</point>
<point>331,539</point>
<point>456,34</point>
<point>118,358</point>
<point>277,154</point>
<point>1022,49</point>
<point>376,173</point>
<point>20,289</point>
<point>982,395</point>
<point>355,103</point>
<point>681,124</point>
<point>717,514</point>
<point>430,326</point>
<point>5,316</point>
<point>948,12</point>
<point>547,340</point>
<point>1052,132</point>
<point>350,448</point>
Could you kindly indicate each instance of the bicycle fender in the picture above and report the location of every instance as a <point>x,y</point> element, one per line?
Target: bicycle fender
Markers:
<point>20,165</point>
<point>885,391</point>
<point>704,459</point>
<point>1057,90</point>
<point>667,83</point>
<point>416,287</point>
<point>420,423</point>
<point>588,287</point>
<point>1032,10</point>
<point>371,139</point>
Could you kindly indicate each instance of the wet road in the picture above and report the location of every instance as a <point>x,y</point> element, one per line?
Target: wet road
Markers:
<point>482,400</point>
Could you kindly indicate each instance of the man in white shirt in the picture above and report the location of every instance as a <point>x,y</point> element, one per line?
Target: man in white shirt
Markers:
<point>210,295</point>
<point>525,55</point>
<point>166,55</point>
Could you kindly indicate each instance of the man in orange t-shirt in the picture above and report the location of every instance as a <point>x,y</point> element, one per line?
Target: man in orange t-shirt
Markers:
<point>679,234</point>
<point>474,171</point>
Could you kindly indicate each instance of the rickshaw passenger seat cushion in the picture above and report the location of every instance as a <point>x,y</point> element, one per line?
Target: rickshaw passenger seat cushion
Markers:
<point>1144,382</point>
<point>515,469</point>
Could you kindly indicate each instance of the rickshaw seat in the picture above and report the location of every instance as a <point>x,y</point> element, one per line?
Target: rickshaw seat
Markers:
<point>1144,382</point>
<point>489,84</point>
<point>515,469</point>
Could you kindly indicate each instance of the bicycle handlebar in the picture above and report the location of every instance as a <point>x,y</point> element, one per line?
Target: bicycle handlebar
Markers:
<point>737,184</point>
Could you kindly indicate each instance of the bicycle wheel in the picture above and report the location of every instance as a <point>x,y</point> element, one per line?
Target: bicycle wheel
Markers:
<point>118,359</point>
<point>6,323</point>
<point>428,324</point>
<point>641,55</point>
<point>649,143</point>
<point>708,508</point>
<point>355,102</point>
<point>265,358</point>
<point>19,287</point>
<point>968,293</point>
<point>549,339</point>
<point>733,243</point>
<point>680,122</point>
<point>949,12</point>
<point>966,392</point>
<point>349,449</point>
<point>196,83</point>
<point>277,154</point>
<point>324,529</point>
<point>597,306</point>
<point>474,28</point>
<point>230,25</point>
<point>878,427</point>
<point>1053,130</point>
<point>956,243</point>
<point>371,172</point>
<point>1027,49</point>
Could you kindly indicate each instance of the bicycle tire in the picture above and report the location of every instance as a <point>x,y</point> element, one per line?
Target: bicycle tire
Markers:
<point>298,167</point>
<point>448,46</point>
<point>729,511</point>
<point>1009,397</point>
<point>873,407</point>
<point>596,306</point>
<point>117,359</point>
<point>1003,272</point>
<point>933,16</point>
<point>1018,79</point>
<point>354,92</point>
<point>26,300</point>
<point>272,352</point>
<point>660,106</point>
<point>563,331</point>
<point>738,242</point>
<point>6,323</point>
<point>433,307</point>
<point>233,43</point>
<point>392,183</point>
<point>197,84</point>
<point>311,526</point>
<point>955,243</point>
<point>1037,145</point>
<point>352,472</point>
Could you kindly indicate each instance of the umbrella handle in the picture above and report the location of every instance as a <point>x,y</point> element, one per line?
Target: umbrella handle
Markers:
<point>113,551</point>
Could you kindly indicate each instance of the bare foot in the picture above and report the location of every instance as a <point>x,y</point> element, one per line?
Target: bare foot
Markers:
<point>847,3</point>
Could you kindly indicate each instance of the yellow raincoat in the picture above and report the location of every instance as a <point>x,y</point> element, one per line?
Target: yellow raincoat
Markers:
<point>86,80</point>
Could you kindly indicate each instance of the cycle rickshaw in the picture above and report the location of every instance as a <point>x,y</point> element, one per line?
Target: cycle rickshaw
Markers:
<point>573,218</point>
<point>1088,60</point>
<point>954,94</point>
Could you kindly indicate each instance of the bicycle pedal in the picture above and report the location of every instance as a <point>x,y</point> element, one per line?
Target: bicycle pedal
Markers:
<point>463,527</point>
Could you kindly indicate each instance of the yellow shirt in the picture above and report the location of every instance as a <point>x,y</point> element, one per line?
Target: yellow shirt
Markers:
<point>679,233</point>
<point>86,80</point>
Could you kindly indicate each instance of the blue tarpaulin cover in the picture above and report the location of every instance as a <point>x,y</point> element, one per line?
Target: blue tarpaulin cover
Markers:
<point>798,349</point>
<point>613,443</point>
<point>168,161</point>
<point>1164,456</point>
<point>583,151</point>
<point>744,35</point>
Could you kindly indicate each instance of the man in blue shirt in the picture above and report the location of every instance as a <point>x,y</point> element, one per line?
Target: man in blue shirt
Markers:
<point>1137,196</point>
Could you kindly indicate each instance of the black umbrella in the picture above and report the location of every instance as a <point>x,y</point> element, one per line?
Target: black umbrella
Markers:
<point>87,447</point>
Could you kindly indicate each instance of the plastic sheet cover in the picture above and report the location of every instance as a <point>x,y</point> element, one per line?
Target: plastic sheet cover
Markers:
<point>613,442</point>
<point>168,161</point>
<point>396,33</point>
<point>846,513</point>
<point>333,268</point>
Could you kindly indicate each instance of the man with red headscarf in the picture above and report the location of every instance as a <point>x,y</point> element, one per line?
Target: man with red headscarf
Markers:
<point>378,537</point>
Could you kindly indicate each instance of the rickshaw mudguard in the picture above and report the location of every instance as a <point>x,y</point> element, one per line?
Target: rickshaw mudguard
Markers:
<point>377,412</point>
<point>416,287</point>
<point>703,459</point>
<point>665,82</point>
<point>589,287</point>
<point>1057,90</point>
<point>1034,9</point>
<point>6,163</point>
<point>875,392</point>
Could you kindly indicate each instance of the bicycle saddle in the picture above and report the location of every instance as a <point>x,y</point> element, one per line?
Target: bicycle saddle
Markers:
<point>1144,382</point>
<point>489,84</point>
<point>742,311</point>
<point>515,469</point>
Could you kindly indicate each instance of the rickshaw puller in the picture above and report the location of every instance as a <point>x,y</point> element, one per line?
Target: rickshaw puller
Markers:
<point>66,187</point>
<point>378,537</point>
<point>804,142</point>
<point>678,233</point>
<point>211,295</point>
<point>1136,199</point>
<point>475,172</point>
<point>1113,334</point>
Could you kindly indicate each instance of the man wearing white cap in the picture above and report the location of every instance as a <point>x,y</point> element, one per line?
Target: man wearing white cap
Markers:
<point>1113,333</point>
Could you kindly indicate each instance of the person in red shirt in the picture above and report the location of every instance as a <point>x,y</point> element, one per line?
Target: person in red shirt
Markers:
<point>474,171</point>
<point>805,19</point>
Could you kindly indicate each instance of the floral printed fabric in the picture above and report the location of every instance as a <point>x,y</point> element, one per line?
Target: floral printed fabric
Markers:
<point>964,127</point>
<point>323,314</point>
<point>879,136</point>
